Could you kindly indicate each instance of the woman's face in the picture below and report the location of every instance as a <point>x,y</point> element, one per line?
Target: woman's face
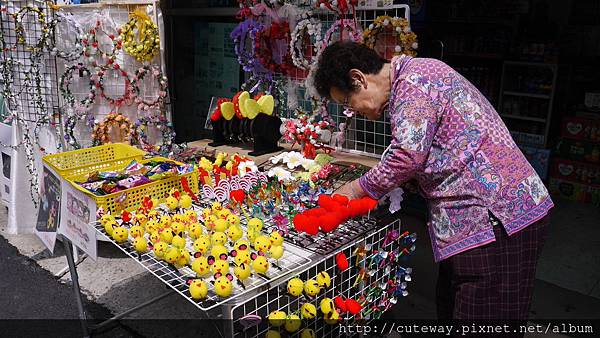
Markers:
<point>367,99</point>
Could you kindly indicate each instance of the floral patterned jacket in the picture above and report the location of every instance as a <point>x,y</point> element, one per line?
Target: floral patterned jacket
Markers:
<point>449,138</point>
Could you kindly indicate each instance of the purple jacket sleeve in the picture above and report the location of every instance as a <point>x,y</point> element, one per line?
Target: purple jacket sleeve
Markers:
<point>414,119</point>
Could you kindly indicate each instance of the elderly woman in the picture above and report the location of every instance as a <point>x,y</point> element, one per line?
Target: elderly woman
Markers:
<point>487,206</point>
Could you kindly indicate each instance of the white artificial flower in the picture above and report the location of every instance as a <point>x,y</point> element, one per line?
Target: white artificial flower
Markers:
<point>293,159</point>
<point>398,49</point>
<point>415,45</point>
<point>276,159</point>
<point>399,29</point>
<point>406,29</point>
<point>306,163</point>
<point>246,166</point>
<point>281,174</point>
<point>386,22</point>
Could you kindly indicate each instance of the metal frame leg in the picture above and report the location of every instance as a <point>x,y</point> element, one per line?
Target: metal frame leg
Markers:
<point>76,290</point>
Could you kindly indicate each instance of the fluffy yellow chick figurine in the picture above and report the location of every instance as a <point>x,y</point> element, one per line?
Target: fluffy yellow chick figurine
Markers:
<point>218,250</point>
<point>292,323</point>
<point>109,226</point>
<point>295,286</point>
<point>223,286</point>
<point>198,289</point>
<point>276,238</point>
<point>178,218</point>
<point>206,212</point>
<point>210,222</point>
<point>332,317</point>
<point>219,265</point>
<point>177,228</point>
<point>252,234</point>
<point>184,258</point>
<point>255,224</point>
<point>205,164</point>
<point>160,249</point>
<point>185,201</point>
<point>172,255</point>
<point>154,237</point>
<point>202,244</point>
<point>165,222</point>
<point>242,257</point>
<point>272,334</point>
<point>120,234</point>
<point>166,235</point>
<point>106,218</point>
<point>308,311</point>
<point>276,252</point>
<point>233,220</point>
<point>216,207</point>
<point>277,318</point>
<point>262,243</point>
<point>178,242</point>
<point>218,238</point>
<point>136,231</point>
<point>221,225</point>
<point>311,288</point>
<point>153,215</point>
<point>242,271</point>
<point>307,333</point>
<point>260,264</point>
<point>191,216</point>
<point>140,219</point>
<point>151,226</point>
<point>242,244</point>
<point>195,230</point>
<point>201,267</point>
<point>140,245</point>
<point>327,306</point>
<point>224,213</point>
<point>235,232</point>
<point>323,279</point>
<point>171,203</point>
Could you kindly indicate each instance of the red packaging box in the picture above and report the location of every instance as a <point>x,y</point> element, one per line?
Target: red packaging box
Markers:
<point>580,172</point>
<point>577,128</point>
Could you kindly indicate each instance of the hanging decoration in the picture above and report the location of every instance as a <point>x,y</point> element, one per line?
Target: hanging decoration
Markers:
<point>47,28</point>
<point>163,125</point>
<point>70,123</point>
<point>74,50</point>
<point>91,44</point>
<point>140,36</point>
<point>355,33</point>
<point>66,79</point>
<point>406,39</point>
<point>245,31</point>
<point>127,94</point>
<point>139,76</point>
<point>8,67</point>
<point>306,132</point>
<point>305,29</point>
<point>103,129</point>
<point>273,58</point>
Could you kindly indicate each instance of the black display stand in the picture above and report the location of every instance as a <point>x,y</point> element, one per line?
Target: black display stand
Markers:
<point>263,132</point>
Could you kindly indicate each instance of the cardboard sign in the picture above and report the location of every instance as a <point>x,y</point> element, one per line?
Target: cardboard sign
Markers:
<point>48,218</point>
<point>77,213</point>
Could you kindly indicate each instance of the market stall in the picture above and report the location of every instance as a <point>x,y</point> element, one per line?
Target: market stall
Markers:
<point>246,226</point>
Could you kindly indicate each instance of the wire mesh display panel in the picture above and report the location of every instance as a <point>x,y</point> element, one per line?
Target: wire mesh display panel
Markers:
<point>375,285</point>
<point>293,260</point>
<point>111,16</point>
<point>362,135</point>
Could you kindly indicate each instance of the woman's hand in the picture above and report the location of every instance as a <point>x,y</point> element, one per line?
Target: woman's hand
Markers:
<point>351,190</point>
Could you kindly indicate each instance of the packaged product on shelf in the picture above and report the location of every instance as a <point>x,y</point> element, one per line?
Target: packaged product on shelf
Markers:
<point>578,150</point>
<point>574,171</point>
<point>574,191</point>
<point>577,128</point>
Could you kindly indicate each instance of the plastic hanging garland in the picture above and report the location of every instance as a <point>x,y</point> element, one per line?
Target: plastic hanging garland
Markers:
<point>308,27</point>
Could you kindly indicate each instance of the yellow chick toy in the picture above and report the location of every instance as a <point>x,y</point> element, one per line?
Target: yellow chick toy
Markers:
<point>178,218</point>
<point>242,271</point>
<point>323,279</point>
<point>307,333</point>
<point>151,226</point>
<point>218,266</point>
<point>276,252</point>
<point>106,218</point>
<point>218,238</point>
<point>202,244</point>
<point>201,267</point>
<point>198,289</point>
<point>216,207</point>
<point>160,249</point>
<point>242,257</point>
<point>255,224</point>
<point>260,264</point>
<point>252,234</point>
<point>172,255</point>
<point>276,238</point>
<point>153,215</point>
<point>184,258</point>
<point>109,227</point>
<point>235,232</point>
<point>206,212</point>
<point>292,323</point>
<point>308,311</point>
<point>277,318</point>
<point>205,164</point>
<point>223,286</point>
<point>166,235</point>
<point>171,203</point>
<point>191,216</point>
<point>185,201</point>
<point>165,221</point>
<point>224,213</point>
<point>195,230</point>
<point>272,334</point>
<point>136,231</point>
<point>120,234</point>
<point>140,245</point>
<point>140,219</point>
<point>295,287</point>
<point>262,243</point>
<point>242,244</point>
<point>210,222</point>
<point>233,220</point>
<point>332,318</point>
<point>154,237</point>
<point>311,288</point>
<point>221,225</point>
<point>177,228</point>
<point>178,242</point>
<point>218,250</point>
<point>327,306</point>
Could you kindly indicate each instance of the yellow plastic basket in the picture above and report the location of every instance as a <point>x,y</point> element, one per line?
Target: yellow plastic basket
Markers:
<point>83,161</point>
<point>131,199</point>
